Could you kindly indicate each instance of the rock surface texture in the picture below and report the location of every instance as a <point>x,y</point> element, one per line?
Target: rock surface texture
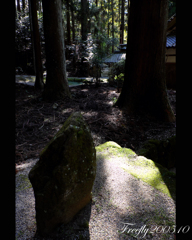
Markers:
<point>161,151</point>
<point>63,177</point>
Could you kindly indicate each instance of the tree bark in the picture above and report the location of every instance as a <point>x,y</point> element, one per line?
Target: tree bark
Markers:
<point>144,88</point>
<point>122,22</point>
<point>113,30</point>
<point>18,6</point>
<point>68,25</point>
<point>36,45</point>
<point>56,82</point>
<point>23,5</point>
<point>108,29</point>
<point>73,20</point>
<point>84,19</point>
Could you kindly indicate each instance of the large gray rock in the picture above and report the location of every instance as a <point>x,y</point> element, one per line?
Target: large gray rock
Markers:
<point>63,177</point>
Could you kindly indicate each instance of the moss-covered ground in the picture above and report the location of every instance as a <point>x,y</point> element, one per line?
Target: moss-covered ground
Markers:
<point>140,167</point>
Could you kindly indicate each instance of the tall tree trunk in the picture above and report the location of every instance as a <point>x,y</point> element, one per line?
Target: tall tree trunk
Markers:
<point>18,6</point>
<point>73,20</point>
<point>97,21</point>
<point>68,25</point>
<point>36,45</point>
<point>113,30</point>
<point>56,82</point>
<point>122,22</point>
<point>144,88</point>
<point>15,16</point>
<point>39,6</point>
<point>23,5</point>
<point>84,19</point>
<point>108,25</point>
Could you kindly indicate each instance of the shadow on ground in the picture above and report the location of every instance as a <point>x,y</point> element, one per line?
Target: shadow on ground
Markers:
<point>122,207</point>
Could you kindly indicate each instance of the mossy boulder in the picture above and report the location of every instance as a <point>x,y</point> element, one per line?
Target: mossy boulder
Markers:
<point>160,151</point>
<point>63,177</point>
<point>140,167</point>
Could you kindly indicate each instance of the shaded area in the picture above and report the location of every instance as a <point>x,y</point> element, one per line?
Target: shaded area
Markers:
<point>37,121</point>
<point>160,151</point>
<point>78,228</point>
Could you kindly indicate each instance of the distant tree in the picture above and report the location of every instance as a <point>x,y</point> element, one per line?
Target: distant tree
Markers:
<point>108,25</point>
<point>84,12</point>
<point>122,21</point>
<point>144,88</point>
<point>15,15</point>
<point>36,45</point>
<point>68,25</point>
<point>67,4</point>
<point>72,7</point>
<point>18,6</point>
<point>56,81</point>
<point>113,30</point>
<point>23,5</point>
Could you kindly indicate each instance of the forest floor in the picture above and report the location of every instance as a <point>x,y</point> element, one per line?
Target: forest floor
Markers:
<point>37,121</point>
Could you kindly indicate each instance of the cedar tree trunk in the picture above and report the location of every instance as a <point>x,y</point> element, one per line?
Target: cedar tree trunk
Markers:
<point>56,82</point>
<point>18,6</point>
<point>36,45</point>
<point>73,20</point>
<point>113,30</point>
<point>23,5</point>
<point>122,22</point>
<point>144,88</point>
<point>84,19</point>
<point>68,25</point>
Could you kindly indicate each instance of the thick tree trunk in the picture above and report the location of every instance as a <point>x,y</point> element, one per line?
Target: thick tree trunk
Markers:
<point>56,82</point>
<point>144,88</point>
<point>36,45</point>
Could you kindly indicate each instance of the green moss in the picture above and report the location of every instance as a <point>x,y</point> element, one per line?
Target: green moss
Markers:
<point>113,148</point>
<point>25,183</point>
<point>106,145</point>
<point>153,174</point>
<point>140,167</point>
